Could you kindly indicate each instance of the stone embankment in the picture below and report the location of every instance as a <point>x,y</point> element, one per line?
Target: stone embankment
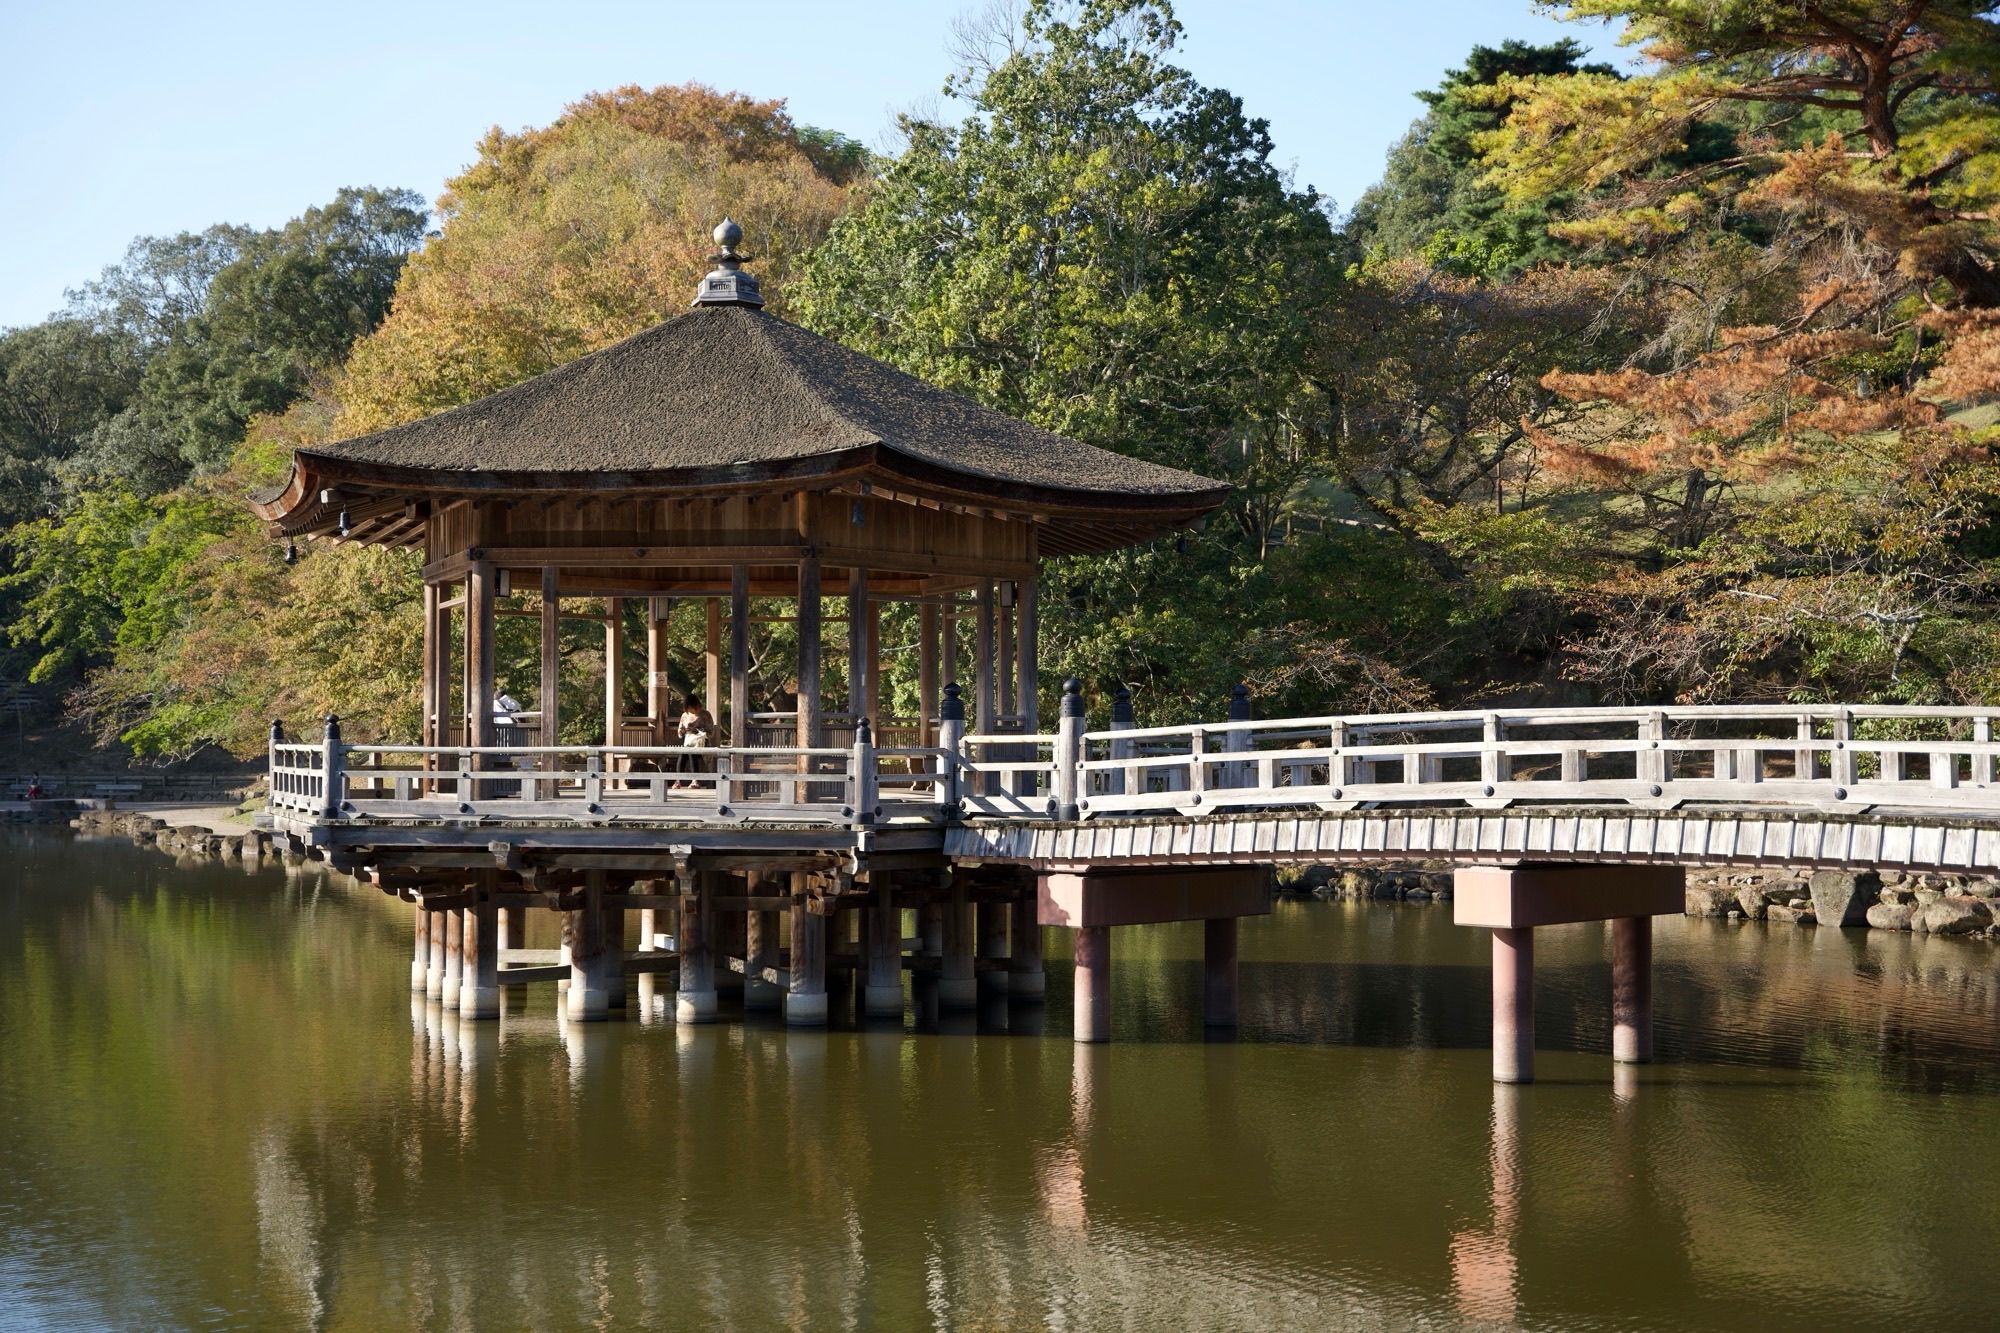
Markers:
<point>1890,900</point>
<point>197,840</point>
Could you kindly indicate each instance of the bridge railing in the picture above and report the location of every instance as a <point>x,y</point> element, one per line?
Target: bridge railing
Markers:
<point>1938,758</point>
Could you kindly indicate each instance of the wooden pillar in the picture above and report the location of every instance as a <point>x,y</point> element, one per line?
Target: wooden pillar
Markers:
<point>805,1002</point>
<point>1027,656</point>
<point>1218,972</point>
<point>1514,1004</point>
<point>420,953</point>
<point>927,673</point>
<point>992,947</point>
<point>874,660</point>
<point>711,680</point>
<point>454,957</point>
<point>659,707</point>
<point>614,668</point>
<point>479,990</point>
<point>760,951</point>
<point>739,655</point>
<point>434,970</point>
<point>956,987</point>
<point>511,928</point>
<point>808,624</point>
<point>1632,989</point>
<point>948,641</point>
<point>1026,983</point>
<point>857,645</point>
<point>594,965</point>
<point>479,587</point>
<point>882,993</point>
<point>551,683</point>
<point>984,696</point>
<point>694,1002</point>
<point>1092,1021</point>
<point>1003,651</point>
<point>433,715</point>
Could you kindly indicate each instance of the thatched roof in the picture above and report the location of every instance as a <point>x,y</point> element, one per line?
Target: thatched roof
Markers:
<point>728,389</point>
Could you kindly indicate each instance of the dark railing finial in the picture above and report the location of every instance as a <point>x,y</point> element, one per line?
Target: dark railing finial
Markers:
<point>333,726</point>
<point>277,732</point>
<point>1072,698</point>
<point>953,708</point>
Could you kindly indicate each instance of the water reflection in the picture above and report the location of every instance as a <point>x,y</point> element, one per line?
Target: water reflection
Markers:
<point>215,1117</point>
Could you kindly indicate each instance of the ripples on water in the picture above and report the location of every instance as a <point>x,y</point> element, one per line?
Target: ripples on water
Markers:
<point>219,1105</point>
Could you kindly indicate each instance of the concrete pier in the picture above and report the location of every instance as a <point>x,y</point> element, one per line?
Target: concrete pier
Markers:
<point>1514,1004</point>
<point>694,1001</point>
<point>1632,989</point>
<point>479,988</point>
<point>513,928</point>
<point>1026,981</point>
<point>1093,984</point>
<point>1218,972</point>
<point>805,1002</point>
<point>957,991</point>
<point>454,958</point>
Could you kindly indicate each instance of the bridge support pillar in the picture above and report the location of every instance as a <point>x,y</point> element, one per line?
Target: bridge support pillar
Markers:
<point>434,969</point>
<point>992,947</point>
<point>479,988</point>
<point>1514,1005</point>
<point>1026,982</point>
<point>454,957</point>
<point>594,964</point>
<point>805,1002</point>
<point>694,999</point>
<point>1218,972</point>
<point>511,926</point>
<point>882,994</point>
<point>1632,990</point>
<point>956,988</point>
<point>1093,984</point>
<point>760,951</point>
<point>420,953</point>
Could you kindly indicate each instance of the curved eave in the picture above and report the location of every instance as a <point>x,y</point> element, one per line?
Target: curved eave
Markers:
<point>1074,521</point>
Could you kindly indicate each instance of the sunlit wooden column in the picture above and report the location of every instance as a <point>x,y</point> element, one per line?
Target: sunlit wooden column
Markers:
<point>432,713</point>
<point>1027,654</point>
<point>479,589</point>
<point>1026,983</point>
<point>760,951</point>
<point>711,674</point>
<point>927,672</point>
<point>454,956</point>
<point>956,987</point>
<point>614,668</point>
<point>808,626</point>
<point>434,971</point>
<point>1003,653</point>
<point>659,707</point>
<point>805,1001</point>
<point>479,989</point>
<point>420,954</point>
<point>551,682</point>
<point>858,694</point>
<point>739,655</point>
<point>985,698</point>
<point>694,1001</point>
<point>948,642</point>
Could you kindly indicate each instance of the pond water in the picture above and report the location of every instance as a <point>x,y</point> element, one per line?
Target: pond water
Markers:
<point>220,1106</point>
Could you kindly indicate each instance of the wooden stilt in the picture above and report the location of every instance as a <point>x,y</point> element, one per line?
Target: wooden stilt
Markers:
<point>1092,1017</point>
<point>956,987</point>
<point>454,957</point>
<point>805,1002</point>
<point>592,964</point>
<point>1026,982</point>
<point>434,972</point>
<point>882,991</point>
<point>551,679</point>
<point>420,953</point>
<point>992,947</point>
<point>694,1002</point>
<point>479,990</point>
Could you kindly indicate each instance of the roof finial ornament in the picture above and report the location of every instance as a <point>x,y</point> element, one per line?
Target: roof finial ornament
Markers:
<point>727,283</point>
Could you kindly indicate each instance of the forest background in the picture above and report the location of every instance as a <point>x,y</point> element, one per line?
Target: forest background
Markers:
<point>1677,383</point>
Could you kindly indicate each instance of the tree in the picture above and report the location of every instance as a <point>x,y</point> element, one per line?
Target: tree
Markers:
<point>1103,247</point>
<point>59,380</point>
<point>564,239</point>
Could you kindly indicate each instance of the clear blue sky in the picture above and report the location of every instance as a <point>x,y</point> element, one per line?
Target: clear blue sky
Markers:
<point>132,119</point>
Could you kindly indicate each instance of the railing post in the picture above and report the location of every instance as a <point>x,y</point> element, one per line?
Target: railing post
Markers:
<point>951,743</point>
<point>277,739</point>
<point>330,770</point>
<point>1982,764</point>
<point>1804,760</point>
<point>1069,750</point>
<point>1657,767</point>
<point>468,789</point>
<point>864,789</point>
<point>1238,741</point>
<point>1129,781</point>
<point>1491,733</point>
<point>1843,749</point>
<point>1336,764</point>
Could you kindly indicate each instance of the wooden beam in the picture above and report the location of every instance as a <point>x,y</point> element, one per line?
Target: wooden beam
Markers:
<point>614,669</point>
<point>479,655</point>
<point>739,653</point>
<point>711,680</point>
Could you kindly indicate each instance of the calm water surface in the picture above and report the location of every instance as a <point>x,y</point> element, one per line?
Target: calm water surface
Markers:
<point>219,1106</point>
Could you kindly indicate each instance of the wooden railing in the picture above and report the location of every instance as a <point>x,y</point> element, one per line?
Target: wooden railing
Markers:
<point>1943,759</point>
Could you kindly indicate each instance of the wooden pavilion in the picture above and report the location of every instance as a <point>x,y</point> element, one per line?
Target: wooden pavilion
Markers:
<point>733,460</point>
<point>723,456</point>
